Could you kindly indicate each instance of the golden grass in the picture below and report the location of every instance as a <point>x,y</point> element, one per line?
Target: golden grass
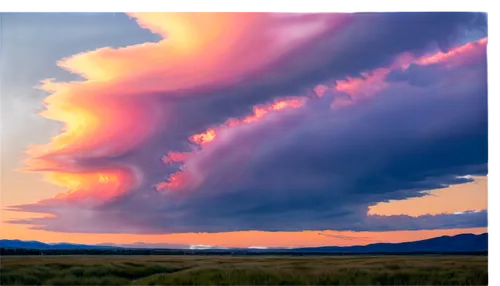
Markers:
<point>241,270</point>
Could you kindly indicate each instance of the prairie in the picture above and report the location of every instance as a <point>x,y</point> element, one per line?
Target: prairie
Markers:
<point>241,270</point>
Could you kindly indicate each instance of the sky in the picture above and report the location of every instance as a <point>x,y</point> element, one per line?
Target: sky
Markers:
<point>243,129</point>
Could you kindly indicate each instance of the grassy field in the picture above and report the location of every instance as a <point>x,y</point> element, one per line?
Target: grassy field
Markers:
<point>227,270</point>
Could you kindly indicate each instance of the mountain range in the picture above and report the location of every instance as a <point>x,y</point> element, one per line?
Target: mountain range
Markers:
<point>442,244</point>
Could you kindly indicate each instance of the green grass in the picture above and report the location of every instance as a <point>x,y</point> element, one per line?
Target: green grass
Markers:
<point>226,270</point>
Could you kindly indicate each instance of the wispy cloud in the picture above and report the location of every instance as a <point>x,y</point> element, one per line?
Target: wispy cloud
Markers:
<point>345,237</point>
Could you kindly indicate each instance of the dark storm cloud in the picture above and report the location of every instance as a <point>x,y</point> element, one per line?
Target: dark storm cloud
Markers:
<point>311,168</point>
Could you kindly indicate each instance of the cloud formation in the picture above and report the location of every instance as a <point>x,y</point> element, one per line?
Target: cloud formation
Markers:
<point>267,122</point>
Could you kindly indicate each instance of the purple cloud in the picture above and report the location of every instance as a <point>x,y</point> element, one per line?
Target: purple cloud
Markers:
<point>314,167</point>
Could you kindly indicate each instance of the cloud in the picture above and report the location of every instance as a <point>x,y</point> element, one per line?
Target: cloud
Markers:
<point>211,100</point>
<point>429,69</point>
<point>345,237</point>
<point>442,221</point>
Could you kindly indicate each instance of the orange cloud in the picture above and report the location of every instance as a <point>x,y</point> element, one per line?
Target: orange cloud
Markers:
<point>101,115</point>
<point>103,119</point>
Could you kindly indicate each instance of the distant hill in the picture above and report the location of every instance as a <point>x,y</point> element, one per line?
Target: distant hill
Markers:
<point>457,243</point>
<point>145,245</point>
<point>442,244</point>
<point>6,243</point>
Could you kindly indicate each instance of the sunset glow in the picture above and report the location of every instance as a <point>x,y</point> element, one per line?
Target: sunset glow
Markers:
<point>246,129</point>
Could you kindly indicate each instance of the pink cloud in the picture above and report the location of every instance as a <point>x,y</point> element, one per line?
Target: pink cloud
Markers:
<point>177,119</point>
<point>196,167</point>
<point>109,114</point>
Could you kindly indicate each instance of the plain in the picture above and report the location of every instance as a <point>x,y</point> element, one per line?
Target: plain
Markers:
<point>241,270</point>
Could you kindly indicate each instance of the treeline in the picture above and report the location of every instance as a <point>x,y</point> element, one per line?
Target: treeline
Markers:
<point>125,251</point>
<point>114,251</point>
